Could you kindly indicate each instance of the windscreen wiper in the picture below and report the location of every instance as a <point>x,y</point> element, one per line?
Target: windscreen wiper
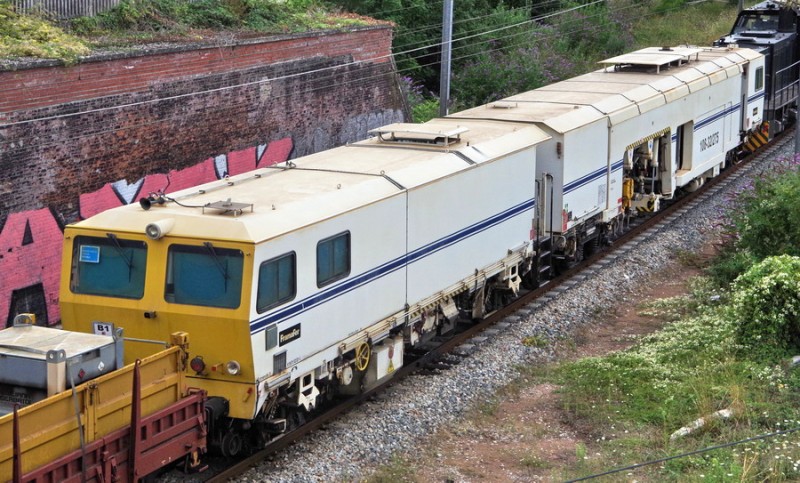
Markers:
<point>222,269</point>
<point>118,247</point>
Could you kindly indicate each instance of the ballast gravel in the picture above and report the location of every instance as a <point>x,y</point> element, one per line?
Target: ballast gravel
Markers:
<point>352,447</point>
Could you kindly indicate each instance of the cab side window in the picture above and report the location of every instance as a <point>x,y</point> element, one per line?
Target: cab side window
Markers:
<point>276,282</point>
<point>759,78</point>
<point>333,258</point>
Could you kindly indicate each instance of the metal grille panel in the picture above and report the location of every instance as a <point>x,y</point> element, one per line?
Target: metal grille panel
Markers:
<point>64,9</point>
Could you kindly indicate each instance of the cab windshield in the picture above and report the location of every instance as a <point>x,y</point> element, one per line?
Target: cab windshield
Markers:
<point>204,275</point>
<point>108,266</point>
<point>755,22</point>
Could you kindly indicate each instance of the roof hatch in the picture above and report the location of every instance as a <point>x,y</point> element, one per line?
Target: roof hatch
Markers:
<point>653,57</point>
<point>426,134</point>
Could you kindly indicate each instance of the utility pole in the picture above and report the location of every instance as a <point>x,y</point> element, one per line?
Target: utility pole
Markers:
<point>447,44</point>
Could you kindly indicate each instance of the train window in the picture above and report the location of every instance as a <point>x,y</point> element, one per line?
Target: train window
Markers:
<point>333,258</point>
<point>109,266</point>
<point>759,78</point>
<point>748,22</point>
<point>276,282</point>
<point>204,275</point>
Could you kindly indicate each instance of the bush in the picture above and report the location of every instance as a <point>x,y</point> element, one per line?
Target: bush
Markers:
<point>592,33</point>
<point>766,305</point>
<point>772,226</point>
<point>765,222</point>
<point>501,73</point>
<point>425,110</point>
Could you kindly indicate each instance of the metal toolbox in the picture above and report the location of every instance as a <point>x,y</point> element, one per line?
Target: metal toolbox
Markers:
<point>36,362</point>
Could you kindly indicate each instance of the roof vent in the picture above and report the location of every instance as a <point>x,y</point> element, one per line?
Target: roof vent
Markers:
<point>426,134</point>
<point>228,207</point>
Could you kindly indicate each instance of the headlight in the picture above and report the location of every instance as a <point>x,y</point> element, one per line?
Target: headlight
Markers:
<point>233,368</point>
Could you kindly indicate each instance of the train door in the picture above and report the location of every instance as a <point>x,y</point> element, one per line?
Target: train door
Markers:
<point>664,165</point>
<point>683,146</point>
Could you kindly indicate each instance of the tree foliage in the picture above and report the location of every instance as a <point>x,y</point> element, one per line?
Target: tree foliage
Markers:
<point>500,47</point>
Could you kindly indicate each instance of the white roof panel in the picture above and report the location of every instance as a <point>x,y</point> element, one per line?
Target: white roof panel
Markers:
<point>646,79</point>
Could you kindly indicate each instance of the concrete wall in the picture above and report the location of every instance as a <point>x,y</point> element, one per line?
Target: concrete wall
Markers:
<point>77,140</point>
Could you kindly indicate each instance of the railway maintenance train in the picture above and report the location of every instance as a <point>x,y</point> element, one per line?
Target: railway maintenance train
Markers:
<point>313,278</point>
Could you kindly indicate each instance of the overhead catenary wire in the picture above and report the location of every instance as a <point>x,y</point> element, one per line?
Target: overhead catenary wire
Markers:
<point>502,28</point>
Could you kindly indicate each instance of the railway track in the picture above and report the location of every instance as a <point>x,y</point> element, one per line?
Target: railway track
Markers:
<point>435,360</point>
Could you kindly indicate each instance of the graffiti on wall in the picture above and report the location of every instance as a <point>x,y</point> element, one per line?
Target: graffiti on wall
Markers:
<point>31,241</point>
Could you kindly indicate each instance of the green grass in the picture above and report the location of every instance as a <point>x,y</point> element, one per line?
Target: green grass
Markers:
<point>636,399</point>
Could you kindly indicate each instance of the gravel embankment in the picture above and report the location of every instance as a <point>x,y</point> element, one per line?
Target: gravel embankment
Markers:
<point>352,447</point>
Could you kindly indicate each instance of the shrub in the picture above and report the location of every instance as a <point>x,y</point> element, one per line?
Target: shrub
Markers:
<point>766,305</point>
<point>772,226</point>
<point>501,73</point>
<point>765,222</point>
<point>423,105</point>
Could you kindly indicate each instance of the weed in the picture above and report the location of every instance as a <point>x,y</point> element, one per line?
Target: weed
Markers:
<point>397,470</point>
<point>690,258</point>
<point>535,341</point>
<point>533,462</point>
<point>580,453</point>
<point>489,408</point>
<point>153,19</point>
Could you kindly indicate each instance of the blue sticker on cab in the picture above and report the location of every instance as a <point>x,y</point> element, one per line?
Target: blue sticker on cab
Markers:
<point>90,254</point>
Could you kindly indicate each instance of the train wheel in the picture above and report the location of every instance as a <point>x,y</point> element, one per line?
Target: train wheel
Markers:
<point>362,356</point>
<point>231,444</point>
<point>297,418</point>
<point>590,247</point>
